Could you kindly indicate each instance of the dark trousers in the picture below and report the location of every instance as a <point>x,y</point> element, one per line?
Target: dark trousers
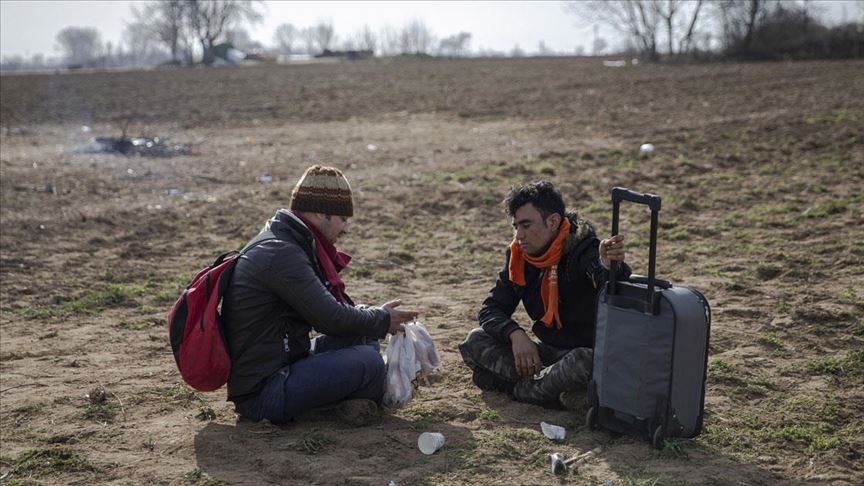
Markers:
<point>564,369</point>
<point>340,368</point>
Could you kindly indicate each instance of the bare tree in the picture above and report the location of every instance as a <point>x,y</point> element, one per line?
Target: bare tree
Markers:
<point>456,45</point>
<point>390,40</point>
<point>542,50</point>
<point>324,34</point>
<point>756,6</point>
<point>80,45</point>
<point>415,38</point>
<point>308,36</point>
<point>284,38</point>
<point>666,10</point>
<point>687,40</point>
<point>210,19</point>
<point>636,18</point>
<point>143,48</point>
<point>740,21</point>
<point>366,39</point>
<point>167,21</point>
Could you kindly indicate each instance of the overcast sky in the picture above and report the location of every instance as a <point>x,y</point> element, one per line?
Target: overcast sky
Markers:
<point>30,27</point>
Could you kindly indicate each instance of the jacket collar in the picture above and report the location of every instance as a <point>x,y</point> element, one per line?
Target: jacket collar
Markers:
<point>286,224</point>
<point>580,229</point>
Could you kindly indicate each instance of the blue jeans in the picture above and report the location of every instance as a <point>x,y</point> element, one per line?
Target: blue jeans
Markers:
<point>340,368</point>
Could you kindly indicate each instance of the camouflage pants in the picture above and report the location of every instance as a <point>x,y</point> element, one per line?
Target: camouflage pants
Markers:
<point>564,369</point>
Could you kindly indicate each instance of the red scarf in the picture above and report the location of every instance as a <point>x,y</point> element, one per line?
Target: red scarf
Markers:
<point>331,261</point>
<point>548,262</point>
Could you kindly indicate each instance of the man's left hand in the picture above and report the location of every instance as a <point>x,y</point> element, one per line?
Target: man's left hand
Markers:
<point>398,317</point>
<point>612,249</point>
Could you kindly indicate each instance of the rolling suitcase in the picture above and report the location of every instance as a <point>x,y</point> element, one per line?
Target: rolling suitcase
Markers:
<point>650,350</point>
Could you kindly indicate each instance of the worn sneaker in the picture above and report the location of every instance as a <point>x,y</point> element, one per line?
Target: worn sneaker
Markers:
<point>488,381</point>
<point>356,412</point>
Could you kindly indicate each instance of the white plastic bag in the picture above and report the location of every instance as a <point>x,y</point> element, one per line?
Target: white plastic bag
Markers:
<point>424,348</point>
<point>407,354</point>
<point>400,362</point>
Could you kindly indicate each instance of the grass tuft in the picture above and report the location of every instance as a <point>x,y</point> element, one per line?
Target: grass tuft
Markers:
<point>489,415</point>
<point>313,443</point>
<point>40,462</point>
<point>851,365</point>
<point>206,414</point>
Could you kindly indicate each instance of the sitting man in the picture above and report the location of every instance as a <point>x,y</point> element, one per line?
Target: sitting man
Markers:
<point>555,266</point>
<point>286,284</point>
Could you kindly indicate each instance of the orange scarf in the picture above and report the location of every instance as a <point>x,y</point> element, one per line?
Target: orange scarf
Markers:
<point>547,261</point>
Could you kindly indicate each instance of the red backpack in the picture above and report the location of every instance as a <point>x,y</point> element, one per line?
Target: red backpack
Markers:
<point>195,325</point>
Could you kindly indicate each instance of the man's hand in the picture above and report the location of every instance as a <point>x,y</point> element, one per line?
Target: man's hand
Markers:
<point>612,249</point>
<point>525,354</point>
<point>398,317</point>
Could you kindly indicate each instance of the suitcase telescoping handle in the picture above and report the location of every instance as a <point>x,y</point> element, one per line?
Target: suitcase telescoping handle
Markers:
<point>653,202</point>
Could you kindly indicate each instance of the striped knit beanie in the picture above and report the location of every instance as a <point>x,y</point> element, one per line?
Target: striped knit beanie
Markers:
<point>323,190</point>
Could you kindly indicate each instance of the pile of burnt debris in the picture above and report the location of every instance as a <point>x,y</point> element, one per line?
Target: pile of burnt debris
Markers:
<point>141,146</point>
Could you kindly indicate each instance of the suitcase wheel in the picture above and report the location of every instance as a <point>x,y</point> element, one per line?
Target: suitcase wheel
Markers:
<point>657,439</point>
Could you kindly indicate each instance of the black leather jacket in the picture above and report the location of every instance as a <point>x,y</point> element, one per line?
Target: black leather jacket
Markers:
<point>276,296</point>
<point>580,277</point>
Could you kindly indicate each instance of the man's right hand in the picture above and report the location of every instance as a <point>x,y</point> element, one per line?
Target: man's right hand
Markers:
<point>525,354</point>
<point>398,317</point>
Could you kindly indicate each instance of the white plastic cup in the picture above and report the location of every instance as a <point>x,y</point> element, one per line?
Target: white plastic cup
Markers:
<point>554,432</point>
<point>430,442</point>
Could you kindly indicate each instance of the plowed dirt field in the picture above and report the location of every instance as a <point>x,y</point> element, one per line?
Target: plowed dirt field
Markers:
<point>761,170</point>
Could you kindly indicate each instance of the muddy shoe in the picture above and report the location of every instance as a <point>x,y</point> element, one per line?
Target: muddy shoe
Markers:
<point>355,412</point>
<point>488,381</point>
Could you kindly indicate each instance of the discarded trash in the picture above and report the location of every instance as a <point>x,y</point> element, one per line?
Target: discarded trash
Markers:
<point>85,129</point>
<point>556,463</point>
<point>646,149</point>
<point>143,146</point>
<point>430,442</point>
<point>554,432</point>
<point>617,63</point>
<point>560,465</point>
<point>265,179</point>
<point>371,147</point>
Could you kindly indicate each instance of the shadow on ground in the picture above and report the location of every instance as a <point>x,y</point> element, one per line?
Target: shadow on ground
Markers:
<point>322,453</point>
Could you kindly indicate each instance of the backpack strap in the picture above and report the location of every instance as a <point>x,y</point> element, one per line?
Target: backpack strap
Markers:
<point>229,272</point>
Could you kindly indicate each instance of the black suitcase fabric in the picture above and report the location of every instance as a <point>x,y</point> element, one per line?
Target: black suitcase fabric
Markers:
<point>650,351</point>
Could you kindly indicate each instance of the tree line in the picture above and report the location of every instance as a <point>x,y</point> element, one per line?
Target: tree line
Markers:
<point>727,29</point>
<point>185,32</point>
